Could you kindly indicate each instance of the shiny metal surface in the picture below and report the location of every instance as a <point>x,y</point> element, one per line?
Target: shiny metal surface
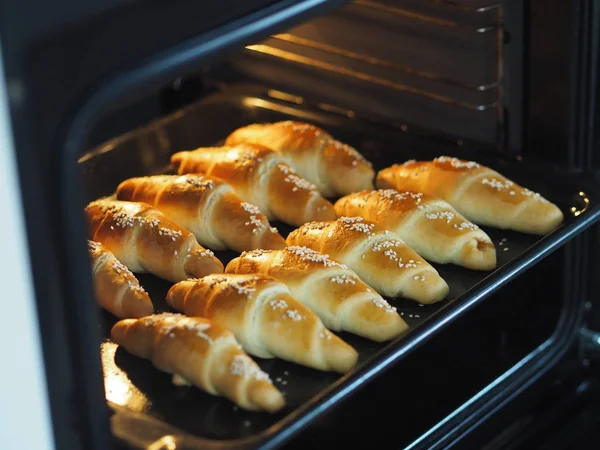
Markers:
<point>146,399</point>
<point>362,76</point>
<point>382,62</point>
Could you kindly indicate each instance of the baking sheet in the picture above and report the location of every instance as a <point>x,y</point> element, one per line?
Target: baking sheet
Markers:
<point>134,385</point>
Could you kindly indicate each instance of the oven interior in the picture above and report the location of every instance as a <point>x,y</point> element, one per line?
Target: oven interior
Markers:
<point>397,80</point>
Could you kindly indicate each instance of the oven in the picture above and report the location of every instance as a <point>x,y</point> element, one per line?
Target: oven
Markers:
<point>94,94</point>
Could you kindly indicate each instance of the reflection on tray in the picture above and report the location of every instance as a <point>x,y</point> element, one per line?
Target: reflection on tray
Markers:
<point>120,389</point>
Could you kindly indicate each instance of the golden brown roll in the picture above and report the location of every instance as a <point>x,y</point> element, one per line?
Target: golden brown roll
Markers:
<point>117,290</point>
<point>380,258</point>
<point>429,225</point>
<point>147,241</point>
<point>208,207</point>
<point>262,178</point>
<point>481,194</point>
<point>200,352</point>
<point>266,320</point>
<point>334,167</point>
<point>331,290</point>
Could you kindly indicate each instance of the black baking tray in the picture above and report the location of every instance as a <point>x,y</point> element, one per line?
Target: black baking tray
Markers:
<point>148,409</point>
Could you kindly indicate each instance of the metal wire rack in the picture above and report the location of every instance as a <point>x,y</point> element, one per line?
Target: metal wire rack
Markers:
<point>492,11</point>
<point>408,14</point>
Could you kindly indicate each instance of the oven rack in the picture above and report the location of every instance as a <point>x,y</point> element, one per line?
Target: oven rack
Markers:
<point>469,8</point>
<point>492,85</point>
<point>287,37</point>
<point>438,21</point>
<point>314,63</point>
<point>433,85</point>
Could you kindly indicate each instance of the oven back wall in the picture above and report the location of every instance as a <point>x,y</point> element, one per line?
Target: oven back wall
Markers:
<point>426,64</point>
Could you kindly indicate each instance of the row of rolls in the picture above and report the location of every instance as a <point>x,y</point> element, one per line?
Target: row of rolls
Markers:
<point>285,297</point>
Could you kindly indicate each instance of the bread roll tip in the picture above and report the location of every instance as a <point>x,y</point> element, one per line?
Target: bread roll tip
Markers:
<point>266,398</point>
<point>340,356</point>
<point>119,329</point>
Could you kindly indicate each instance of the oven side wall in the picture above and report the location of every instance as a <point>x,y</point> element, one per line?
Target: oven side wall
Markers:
<point>24,409</point>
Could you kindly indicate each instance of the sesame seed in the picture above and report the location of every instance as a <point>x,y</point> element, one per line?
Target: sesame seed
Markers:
<point>124,272</point>
<point>295,179</point>
<point>356,224</point>
<point>497,184</point>
<point>343,279</point>
<point>386,244</point>
<point>443,215</point>
<point>457,163</point>
<point>199,182</point>
<point>256,223</point>
<point>533,195</point>
<point>466,226</point>
<point>252,209</point>
<point>243,287</point>
<point>278,304</point>
<point>309,255</point>
<point>202,253</point>
<point>242,365</point>
<point>254,253</point>
<point>349,150</point>
<point>391,195</point>
<point>294,315</point>
<point>381,303</point>
<point>325,334</point>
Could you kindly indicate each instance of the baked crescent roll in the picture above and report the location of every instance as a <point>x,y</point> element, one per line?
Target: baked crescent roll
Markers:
<point>429,225</point>
<point>481,194</point>
<point>331,290</point>
<point>266,320</point>
<point>335,168</point>
<point>199,352</point>
<point>206,206</point>
<point>117,290</point>
<point>147,241</point>
<point>379,257</point>
<point>262,178</point>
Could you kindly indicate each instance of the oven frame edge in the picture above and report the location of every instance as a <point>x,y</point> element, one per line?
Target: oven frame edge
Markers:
<point>455,427</point>
<point>185,57</point>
